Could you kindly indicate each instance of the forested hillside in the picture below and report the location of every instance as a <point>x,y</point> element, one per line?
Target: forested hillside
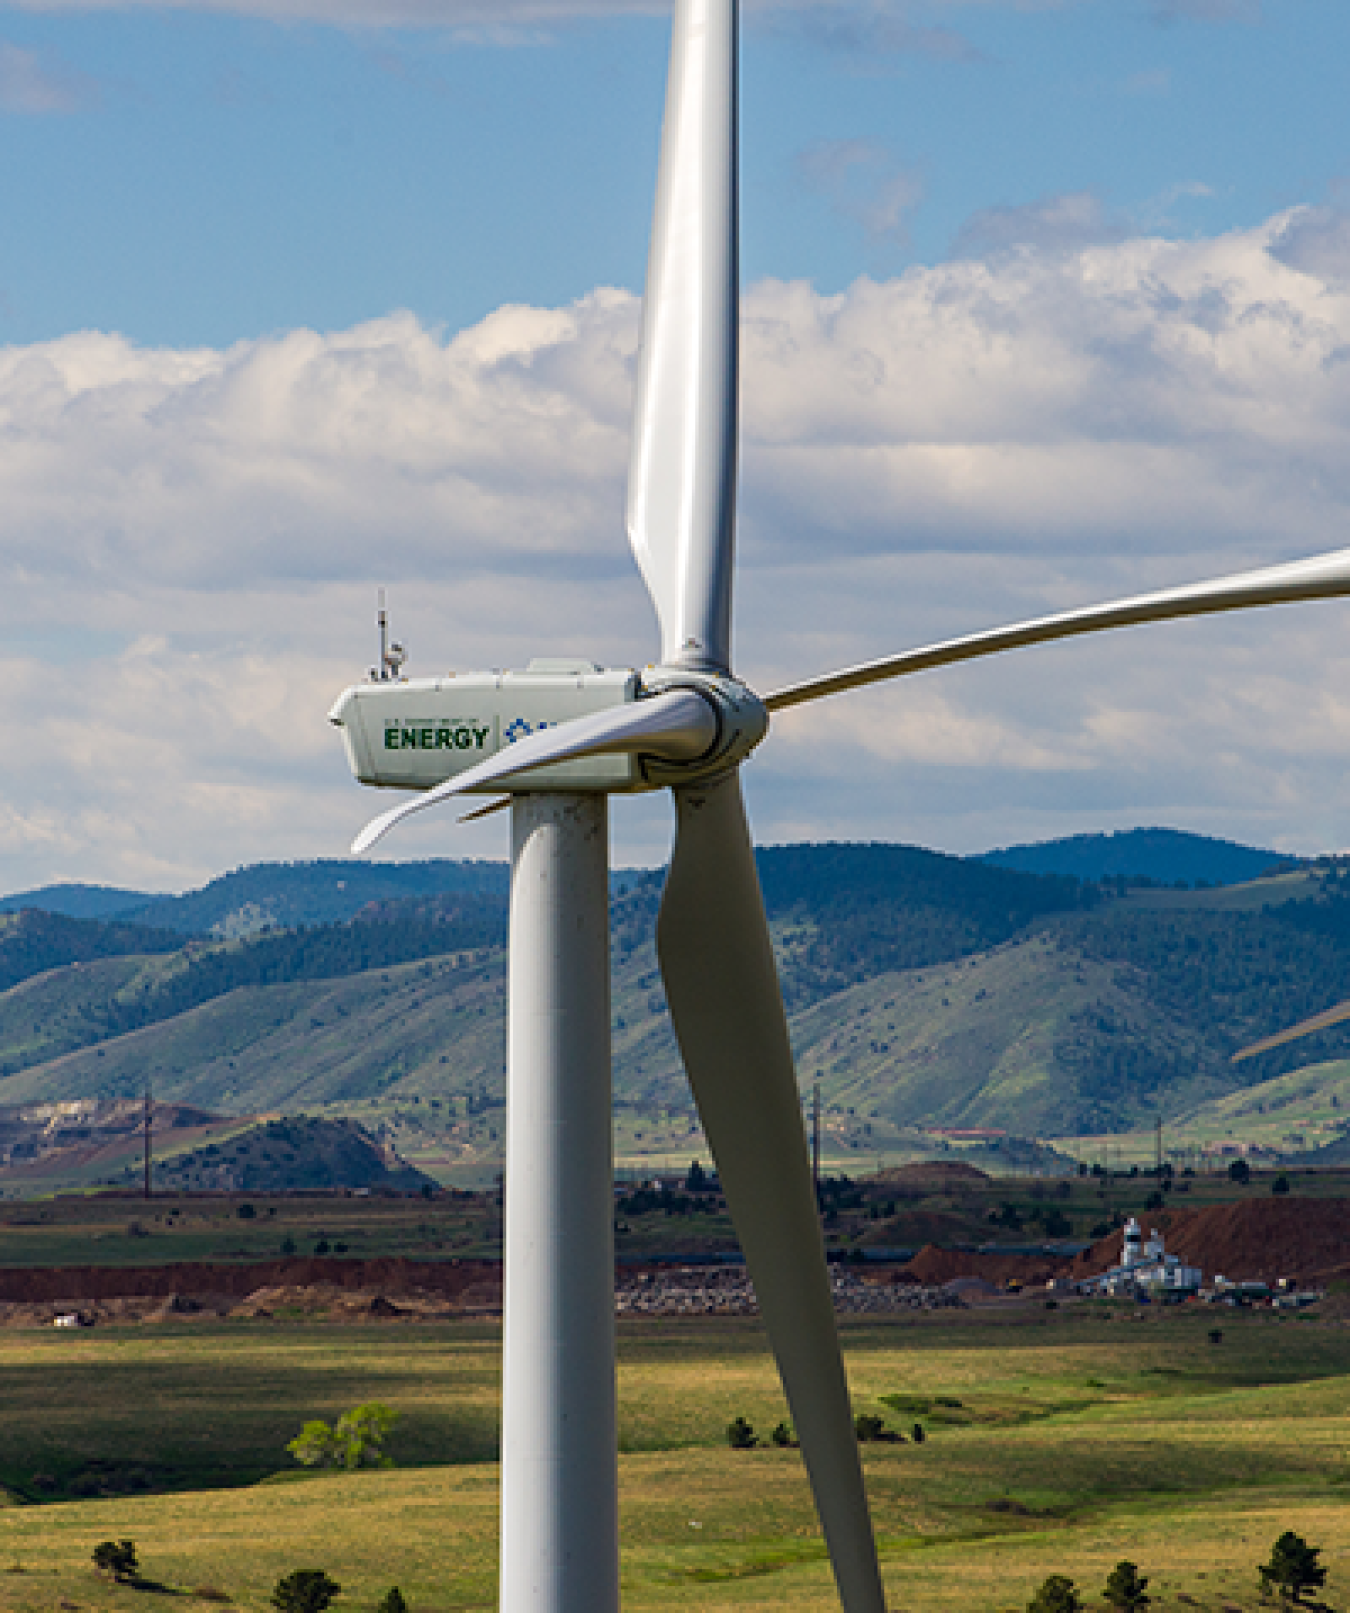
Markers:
<point>1162,856</point>
<point>33,941</point>
<point>924,990</point>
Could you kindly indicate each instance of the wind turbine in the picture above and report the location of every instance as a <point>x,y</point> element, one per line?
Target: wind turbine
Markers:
<point>558,739</point>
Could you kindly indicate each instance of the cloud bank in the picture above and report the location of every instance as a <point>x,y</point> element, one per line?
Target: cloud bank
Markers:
<point>190,542</point>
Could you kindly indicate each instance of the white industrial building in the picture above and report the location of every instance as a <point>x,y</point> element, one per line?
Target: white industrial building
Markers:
<point>1145,1267</point>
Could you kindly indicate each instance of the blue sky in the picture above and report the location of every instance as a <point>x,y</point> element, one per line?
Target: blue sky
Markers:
<point>1045,302</point>
<point>196,177</point>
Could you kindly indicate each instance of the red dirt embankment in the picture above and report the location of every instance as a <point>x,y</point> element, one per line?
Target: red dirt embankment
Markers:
<point>448,1279</point>
<point>933,1266</point>
<point>1254,1240</point>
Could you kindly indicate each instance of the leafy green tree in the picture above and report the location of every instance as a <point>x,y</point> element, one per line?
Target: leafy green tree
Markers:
<point>917,1434</point>
<point>783,1435</point>
<point>1057,1595</point>
<point>867,1425</point>
<point>118,1558</point>
<point>393,1601</point>
<point>1280,1185</point>
<point>1240,1171</point>
<point>1126,1588</point>
<point>740,1435</point>
<point>355,1440</point>
<point>1293,1568</point>
<point>307,1590</point>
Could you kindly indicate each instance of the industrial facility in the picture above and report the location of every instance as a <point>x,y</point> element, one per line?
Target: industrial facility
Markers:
<point>1146,1268</point>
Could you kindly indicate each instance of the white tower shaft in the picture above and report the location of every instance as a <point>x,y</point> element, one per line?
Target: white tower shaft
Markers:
<point>560,1531</point>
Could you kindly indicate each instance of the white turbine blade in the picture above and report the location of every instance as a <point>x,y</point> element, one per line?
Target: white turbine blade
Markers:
<point>727,1008</point>
<point>1323,577</point>
<point>676,726</point>
<point>682,474</point>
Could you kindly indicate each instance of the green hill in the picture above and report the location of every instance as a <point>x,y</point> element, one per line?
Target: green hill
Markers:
<point>77,901</point>
<point>291,1154</point>
<point>32,942</point>
<point>1161,856</point>
<point>288,895</point>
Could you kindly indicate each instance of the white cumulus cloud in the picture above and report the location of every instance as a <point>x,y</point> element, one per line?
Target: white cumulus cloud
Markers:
<point>190,543</point>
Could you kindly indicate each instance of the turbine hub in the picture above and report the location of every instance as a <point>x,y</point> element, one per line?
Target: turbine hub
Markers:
<point>742,722</point>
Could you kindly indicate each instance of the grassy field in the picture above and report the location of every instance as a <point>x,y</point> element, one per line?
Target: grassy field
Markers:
<point>893,1212</point>
<point>107,1231</point>
<point>1057,1441</point>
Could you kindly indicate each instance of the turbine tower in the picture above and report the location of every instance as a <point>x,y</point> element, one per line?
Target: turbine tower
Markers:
<point>559,738</point>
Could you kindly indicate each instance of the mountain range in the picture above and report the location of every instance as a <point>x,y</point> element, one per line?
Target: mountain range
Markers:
<point>924,991</point>
<point>284,895</point>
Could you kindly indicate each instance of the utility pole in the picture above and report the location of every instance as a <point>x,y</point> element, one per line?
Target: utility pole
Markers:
<point>147,1110</point>
<point>815,1142</point>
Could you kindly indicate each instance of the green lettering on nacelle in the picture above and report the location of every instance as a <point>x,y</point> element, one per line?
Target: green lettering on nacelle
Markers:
<point>463,737</point>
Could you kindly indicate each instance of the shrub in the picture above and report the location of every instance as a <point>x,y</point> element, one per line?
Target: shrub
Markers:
<point>783,1436</point>
<point>307,1590</point>
<point>355,1440</point>
<point>868,1426</point>
<point>245,1212</point>
<point>1293,1567</point>
<point>1125,1588</point>
<point>393,1601</point>
<point>1240,1171</point>
<point>1280,1185</point>
<point>1216,1335</point>
<point>1056,1595</point>
<point>917,1434</point>
<point>118,1558</point>
<point>740,1435</point>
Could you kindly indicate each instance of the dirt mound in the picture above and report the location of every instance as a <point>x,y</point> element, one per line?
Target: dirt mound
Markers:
<point>1254,1240</point>
<point>933,1266</point>
<point>458,1281</point>
<point>934,1173</point>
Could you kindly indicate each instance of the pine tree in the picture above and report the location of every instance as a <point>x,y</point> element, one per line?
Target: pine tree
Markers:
<point>307,1590</point>
<point>1057,1595</point>
<point>1293,1567</point>
<point>118,1558</point>
<point>1125,1588</point>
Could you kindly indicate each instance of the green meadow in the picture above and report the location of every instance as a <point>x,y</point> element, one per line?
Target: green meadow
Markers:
<point>1056,1442</point>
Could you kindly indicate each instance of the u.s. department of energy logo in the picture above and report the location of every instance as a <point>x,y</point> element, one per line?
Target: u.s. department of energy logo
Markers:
<point>519,728</point>
<point>437,734</point>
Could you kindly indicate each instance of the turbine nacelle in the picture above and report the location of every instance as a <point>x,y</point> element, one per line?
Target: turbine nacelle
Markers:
<point>425,733</point>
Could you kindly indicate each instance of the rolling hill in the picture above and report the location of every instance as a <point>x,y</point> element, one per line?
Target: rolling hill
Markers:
<point>1162,856</point>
